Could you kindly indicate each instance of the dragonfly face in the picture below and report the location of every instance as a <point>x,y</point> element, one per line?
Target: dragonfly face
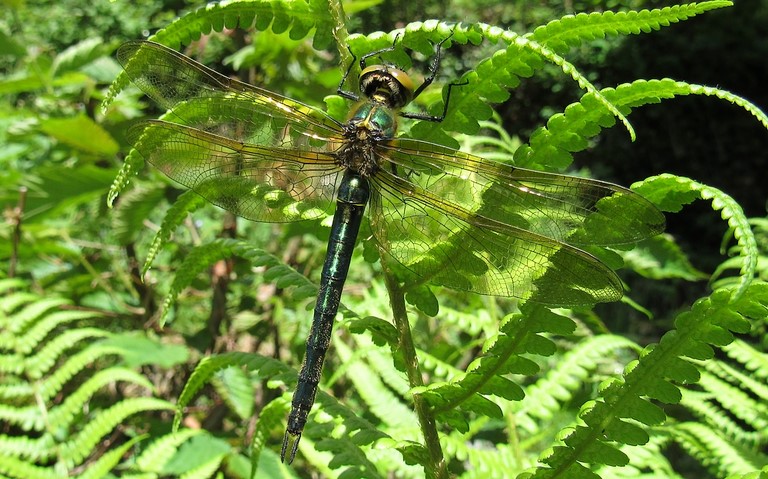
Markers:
<point>450,218</point>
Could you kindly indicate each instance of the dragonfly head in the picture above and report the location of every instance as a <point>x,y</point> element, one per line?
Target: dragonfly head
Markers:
<point>386,85</point>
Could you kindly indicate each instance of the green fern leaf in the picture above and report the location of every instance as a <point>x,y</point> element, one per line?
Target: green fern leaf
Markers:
<point>78,448</point>
<point>64,414</point>
<point>202,257</point>
<point>545,398</point>
<point>39,364</point>
<point>161,450</point>
<point>722,456</point>
<point>236,389</point>
<point>377,396</point>
<point>670,192</point>
<point>27,340</point>
<point>752,360</point>
<point>709,321</point>
<point>12,467</point>
<point>570,31</point>
<point>300,16</point>
<point>131,164</point>
<point>208,366</point>
<point>99,468</point>
<point>186,203</point>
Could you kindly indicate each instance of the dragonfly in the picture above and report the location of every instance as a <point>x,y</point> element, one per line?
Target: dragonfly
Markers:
<point>449,218</point>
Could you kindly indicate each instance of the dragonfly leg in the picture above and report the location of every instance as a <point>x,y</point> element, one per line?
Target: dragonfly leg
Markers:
<point>433,69</point>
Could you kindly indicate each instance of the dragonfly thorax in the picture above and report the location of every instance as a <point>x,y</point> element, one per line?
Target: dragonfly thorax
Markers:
<point>369,125</point>
<point>386,85</point>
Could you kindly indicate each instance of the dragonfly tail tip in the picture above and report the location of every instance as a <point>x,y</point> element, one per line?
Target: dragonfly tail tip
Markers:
<point>295,446</point>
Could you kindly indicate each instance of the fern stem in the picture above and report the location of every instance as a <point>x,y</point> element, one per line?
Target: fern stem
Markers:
<point>340,32</point>
<point>436,468</point>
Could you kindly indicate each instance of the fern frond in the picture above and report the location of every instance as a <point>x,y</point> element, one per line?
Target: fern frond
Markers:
<point>236,388</point>
<point>380,401</point>
<point>737,402</point>
<point>489,82</point>
<point>39,364</point>
<point>671,192</point>
<point>21,320</point>
<point>202,257</point>
<point>99,468</point>
<point>572,30</point>
<point>50,386</point>
<point>486,463</point>
<point>186,203</point>
<point>740,377</point>
<point>206,470</point>
<point>705,407</point>
<point>79,447</point>
<point>162,449</point>
<point>545,398</point>
<point>25,341</point>
<point>12,467</point>
<point>454,401</point>
<point>271,417</point>
<point>132,164</point>
<point>297,16</point>
<point>753,360</point>
<point>63,414</point>
<point>29,418</point>
<point>721,456</point>
<point>568,132</point>
<point>208,366</point>
<point>655,376</point>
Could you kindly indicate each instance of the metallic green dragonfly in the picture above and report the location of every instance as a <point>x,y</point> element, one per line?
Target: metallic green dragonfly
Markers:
<point>449,218</point>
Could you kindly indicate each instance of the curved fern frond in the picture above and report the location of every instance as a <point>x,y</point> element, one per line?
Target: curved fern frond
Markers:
<point>267,368</point>
<point>30,418</point>
<point>297,16</point>
<point>502,356</point>
<point>572,30</point>
<point>755,362</point>
<point>39,364</point>
<point>568,132</point>
<point>12,467</point>
<point>202,257</point>
<point>670,193</point>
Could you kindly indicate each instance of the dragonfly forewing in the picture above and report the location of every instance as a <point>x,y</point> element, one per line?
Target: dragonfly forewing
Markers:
<point>257,183</point>
<point>205,99</point>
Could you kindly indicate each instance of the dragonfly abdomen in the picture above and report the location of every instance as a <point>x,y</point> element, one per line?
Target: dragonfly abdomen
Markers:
<point>352,197</point>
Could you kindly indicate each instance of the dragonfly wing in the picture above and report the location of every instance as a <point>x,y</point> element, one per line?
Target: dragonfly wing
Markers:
<point>202,98</point>
<point>579,211</point>
<point>255,182</point>
<point>446,245</point>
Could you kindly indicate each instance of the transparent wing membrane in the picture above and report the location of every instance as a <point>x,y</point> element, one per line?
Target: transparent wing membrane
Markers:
<point>451,218</point>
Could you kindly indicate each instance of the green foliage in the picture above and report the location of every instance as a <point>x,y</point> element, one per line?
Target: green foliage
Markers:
<point>510,390</point>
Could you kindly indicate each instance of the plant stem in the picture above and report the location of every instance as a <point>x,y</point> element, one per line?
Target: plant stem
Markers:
<point>340,32</point>
<point>436,468</point>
